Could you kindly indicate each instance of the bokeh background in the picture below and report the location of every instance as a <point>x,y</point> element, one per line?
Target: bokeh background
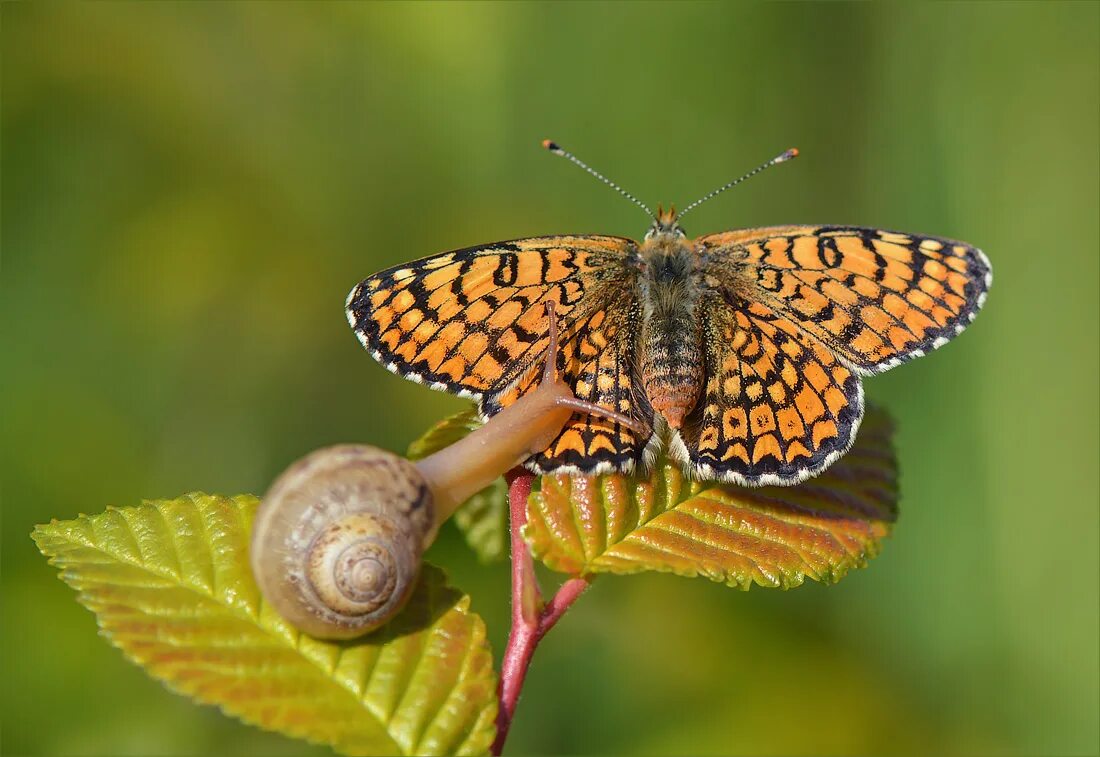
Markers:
<point>189,191</point>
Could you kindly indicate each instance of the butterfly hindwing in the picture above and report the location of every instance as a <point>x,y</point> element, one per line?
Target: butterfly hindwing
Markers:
<point>597,358</point>
<point>876,298</point>
<point>778,406</point>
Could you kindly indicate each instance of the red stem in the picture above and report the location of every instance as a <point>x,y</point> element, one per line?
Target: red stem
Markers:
<point>530,618</point>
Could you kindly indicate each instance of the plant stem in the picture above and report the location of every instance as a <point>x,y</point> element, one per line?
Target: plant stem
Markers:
<point>531,619</point>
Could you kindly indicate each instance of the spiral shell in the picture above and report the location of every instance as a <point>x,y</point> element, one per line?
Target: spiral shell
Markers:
<point>337,540</point>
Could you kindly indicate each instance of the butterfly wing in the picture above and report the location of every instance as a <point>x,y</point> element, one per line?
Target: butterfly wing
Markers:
<point>795,315</point>
<point>876,298</point>
<point>598,355</point>
<point>472,322</point>
<point>778,406</point>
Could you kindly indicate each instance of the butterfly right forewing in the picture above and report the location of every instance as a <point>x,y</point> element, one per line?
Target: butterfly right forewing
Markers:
<point>796,315</point>
<point>876,298</point>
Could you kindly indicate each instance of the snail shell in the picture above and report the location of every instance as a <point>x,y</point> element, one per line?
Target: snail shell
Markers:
<point>337,540</point>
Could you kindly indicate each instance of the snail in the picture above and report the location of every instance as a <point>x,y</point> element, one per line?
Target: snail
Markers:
<point>337,539</point>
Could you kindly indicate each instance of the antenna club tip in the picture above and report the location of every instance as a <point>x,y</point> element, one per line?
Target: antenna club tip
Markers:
<point>791,153</point>
<point>551,145</point>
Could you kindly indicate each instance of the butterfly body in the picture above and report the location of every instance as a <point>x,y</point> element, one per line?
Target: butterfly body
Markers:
<point>670,289</point>
<point>740,353</point>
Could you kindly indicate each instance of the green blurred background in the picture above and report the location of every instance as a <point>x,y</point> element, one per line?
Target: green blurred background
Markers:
<point>189,191</point>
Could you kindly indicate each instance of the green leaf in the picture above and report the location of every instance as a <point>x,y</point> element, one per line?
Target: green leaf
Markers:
<point>483,518</point>
<point>771,536</point>
<point>170,585</point>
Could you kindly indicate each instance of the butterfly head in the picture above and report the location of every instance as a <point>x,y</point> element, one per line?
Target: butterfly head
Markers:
<point>666,222</point>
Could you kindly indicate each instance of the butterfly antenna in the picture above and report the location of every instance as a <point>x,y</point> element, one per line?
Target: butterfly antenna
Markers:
<point>791,153</point>
<point>554,148</point>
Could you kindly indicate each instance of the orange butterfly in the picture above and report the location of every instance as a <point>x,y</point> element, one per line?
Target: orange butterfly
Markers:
<point>740,353</point>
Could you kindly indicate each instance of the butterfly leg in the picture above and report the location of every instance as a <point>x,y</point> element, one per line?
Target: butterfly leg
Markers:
<point>550,376</point>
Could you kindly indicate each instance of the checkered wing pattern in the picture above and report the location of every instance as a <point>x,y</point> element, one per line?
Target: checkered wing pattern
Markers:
<point>472,322</point>
<point>795,315</point>
<point>598,359</point>
<point>778,406</point>
<point>876,298</point>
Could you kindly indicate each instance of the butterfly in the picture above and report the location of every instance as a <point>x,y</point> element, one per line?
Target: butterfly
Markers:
<point>740,354</point>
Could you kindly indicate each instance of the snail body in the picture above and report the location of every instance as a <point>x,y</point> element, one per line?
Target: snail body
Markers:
<point>338,538</point>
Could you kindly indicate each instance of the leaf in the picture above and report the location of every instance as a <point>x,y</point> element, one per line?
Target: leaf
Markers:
<point>170,585</point>
<point>771,536</point>
<point>483,518</point>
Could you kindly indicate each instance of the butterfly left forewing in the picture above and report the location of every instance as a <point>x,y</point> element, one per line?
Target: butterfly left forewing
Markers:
<point>472,321</point>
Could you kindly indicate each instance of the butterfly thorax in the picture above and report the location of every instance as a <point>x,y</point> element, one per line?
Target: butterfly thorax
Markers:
<point>670,286</point>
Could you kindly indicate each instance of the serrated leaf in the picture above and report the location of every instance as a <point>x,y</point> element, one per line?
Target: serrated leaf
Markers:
<point>170,585</point>
<point>483,518</point>
<point>771,536</point>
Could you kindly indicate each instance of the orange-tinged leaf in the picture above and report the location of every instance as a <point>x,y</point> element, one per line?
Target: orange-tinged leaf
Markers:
<point>170,585</point>
<point>773,536</point>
